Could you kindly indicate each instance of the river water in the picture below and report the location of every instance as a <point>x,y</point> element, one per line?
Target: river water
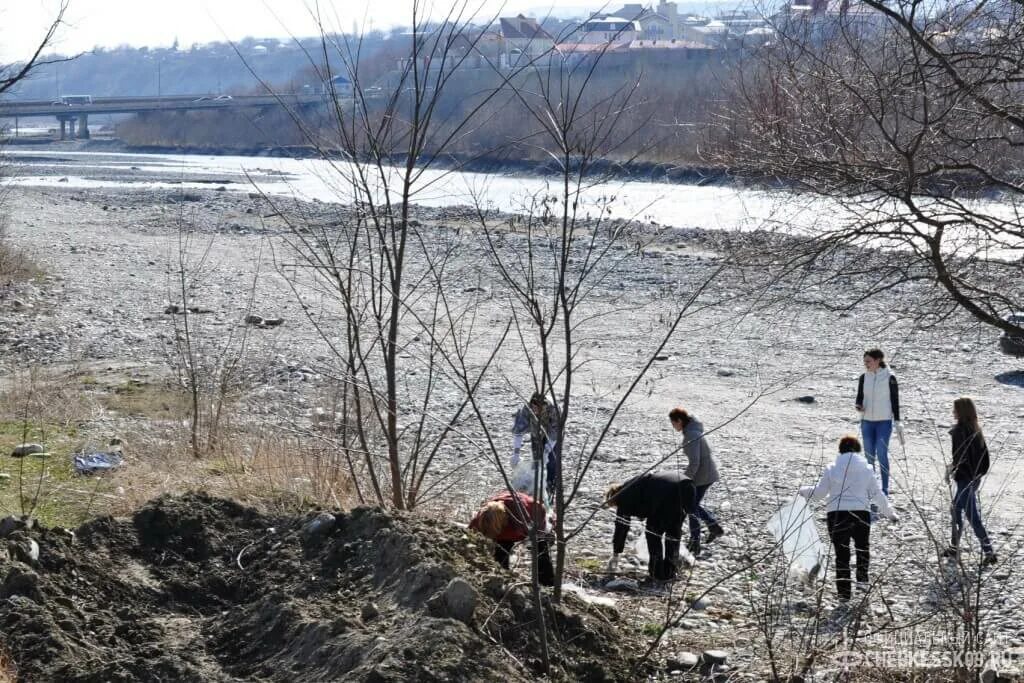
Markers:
<point>669,204</point>
<point>711,207</point>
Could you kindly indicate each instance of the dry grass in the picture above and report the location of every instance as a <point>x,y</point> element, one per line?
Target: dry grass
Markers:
<point>263,468</point>
<point>8,670</point>
<point>15,264</point>
<point>154,400</point>
<point>72,409</point>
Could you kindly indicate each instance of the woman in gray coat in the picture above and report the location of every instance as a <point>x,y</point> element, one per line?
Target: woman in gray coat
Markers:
<point>702,470</point>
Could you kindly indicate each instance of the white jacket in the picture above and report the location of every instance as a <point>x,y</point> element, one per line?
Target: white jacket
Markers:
<point>878,396</point>
<point>849,484</point>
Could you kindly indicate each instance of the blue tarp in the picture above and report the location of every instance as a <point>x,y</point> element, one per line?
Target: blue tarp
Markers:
<point>89,463</point>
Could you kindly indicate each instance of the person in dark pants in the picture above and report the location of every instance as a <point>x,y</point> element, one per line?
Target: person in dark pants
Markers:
<point>702,469</point>
<point>505,519</point>
<point>970,463</point>
<point>850,488</point>
<point>661,498</point>
<point>540,419</point>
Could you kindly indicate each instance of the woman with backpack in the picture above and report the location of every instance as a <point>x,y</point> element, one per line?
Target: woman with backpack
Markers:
<point>878,401</point>
<point>970,463</point>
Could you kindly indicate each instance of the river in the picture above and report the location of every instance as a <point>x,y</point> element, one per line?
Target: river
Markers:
<point>680,205</point>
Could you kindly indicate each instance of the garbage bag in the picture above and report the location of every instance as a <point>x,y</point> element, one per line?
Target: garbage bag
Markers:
<point>793,528</point>
<point>90,463</point>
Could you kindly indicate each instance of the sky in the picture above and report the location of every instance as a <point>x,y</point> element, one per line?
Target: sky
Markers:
<point>157,23</point>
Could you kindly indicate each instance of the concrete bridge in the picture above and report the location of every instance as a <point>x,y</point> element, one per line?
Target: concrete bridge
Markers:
<point>70,114</point>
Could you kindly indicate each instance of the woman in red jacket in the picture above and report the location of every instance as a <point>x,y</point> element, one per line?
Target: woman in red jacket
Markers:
<point>505,519</point>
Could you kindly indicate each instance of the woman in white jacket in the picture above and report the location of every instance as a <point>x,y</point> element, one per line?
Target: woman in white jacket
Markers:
<point>850,488</point>
<point>878,400</point>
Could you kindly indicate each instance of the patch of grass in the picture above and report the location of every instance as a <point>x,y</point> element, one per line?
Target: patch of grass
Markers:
<point>14,432</point>
<point>47,487</point>
<point>590,564</point>
<point>651,630</point>
<point>15,264</point>
<point>144,399</point>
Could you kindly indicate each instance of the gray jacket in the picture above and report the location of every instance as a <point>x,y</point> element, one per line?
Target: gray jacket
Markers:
<point>701,467</point>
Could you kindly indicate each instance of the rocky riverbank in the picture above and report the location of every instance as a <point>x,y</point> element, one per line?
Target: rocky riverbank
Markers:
<point>774,374</point>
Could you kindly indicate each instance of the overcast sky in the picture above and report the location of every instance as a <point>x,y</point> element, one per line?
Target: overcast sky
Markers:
<point>156,23</point>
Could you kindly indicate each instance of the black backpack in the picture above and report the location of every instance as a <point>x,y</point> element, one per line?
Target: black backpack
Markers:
<point>982,459</point>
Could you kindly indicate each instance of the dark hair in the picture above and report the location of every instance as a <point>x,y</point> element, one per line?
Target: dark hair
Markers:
<point>679,414</point>
<point>537,399</point>
<point>878,355</point>
<point>967,414</point>
<point>849,444</point>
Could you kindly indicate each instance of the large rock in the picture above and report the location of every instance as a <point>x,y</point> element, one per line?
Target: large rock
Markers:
<point>460,600</point>
<point>318,527</point>
<point>27,449</point>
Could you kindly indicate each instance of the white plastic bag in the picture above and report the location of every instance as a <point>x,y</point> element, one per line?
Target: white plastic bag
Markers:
<point>522,477</point>
<point>793,528</point>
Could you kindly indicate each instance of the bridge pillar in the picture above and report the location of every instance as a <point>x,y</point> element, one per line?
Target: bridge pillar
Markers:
<point>71,128</point>
<point>63,127</point>
<point>83,126</point>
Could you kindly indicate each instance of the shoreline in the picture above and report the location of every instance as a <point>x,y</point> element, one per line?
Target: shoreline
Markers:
<point>643,171</point>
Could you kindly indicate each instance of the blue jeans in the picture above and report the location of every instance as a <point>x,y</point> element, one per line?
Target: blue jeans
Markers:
<point>699,514</point>
<point>876,435</point>
<point>966,500</point>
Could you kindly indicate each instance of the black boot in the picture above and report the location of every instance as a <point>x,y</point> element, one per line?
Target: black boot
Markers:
<point>715,531</point>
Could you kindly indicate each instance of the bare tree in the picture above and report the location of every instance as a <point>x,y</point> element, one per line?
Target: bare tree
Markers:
<point>904,120</point>
<point>12,74</point>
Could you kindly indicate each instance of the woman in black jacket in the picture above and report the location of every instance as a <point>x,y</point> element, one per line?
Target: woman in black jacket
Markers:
<point>663,499</point>
<point>970,463</point>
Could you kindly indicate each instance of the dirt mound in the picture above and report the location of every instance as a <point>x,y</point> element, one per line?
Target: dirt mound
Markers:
<point>196,588</point>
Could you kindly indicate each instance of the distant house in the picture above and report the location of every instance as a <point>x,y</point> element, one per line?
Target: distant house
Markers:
<point>609,30</point>
<point>524,38</point>
<point>668,52</point>
<point>653,25</point>
<point>478,50</point>
<point>339,86</point>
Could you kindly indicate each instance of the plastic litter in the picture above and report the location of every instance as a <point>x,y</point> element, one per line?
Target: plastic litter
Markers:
<point>793,528</point>
<point>91,463</point>
<point>522,477</point>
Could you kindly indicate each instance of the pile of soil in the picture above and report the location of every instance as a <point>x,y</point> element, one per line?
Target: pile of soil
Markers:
<point>195,588</point>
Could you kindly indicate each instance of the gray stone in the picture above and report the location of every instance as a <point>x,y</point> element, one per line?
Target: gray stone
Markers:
<point>683,661</point>
<point>9,525</point>
<point>460,600</point>
<point>321,525</point>
<point>27,449</point>
<point>628,585</point>
<point>726,372</point>
<point>24,549</point>
<point>714,657</point>
<point>273,322</point>
<point>806,399</point>
<point>370,611</point>
<point>254,319</point>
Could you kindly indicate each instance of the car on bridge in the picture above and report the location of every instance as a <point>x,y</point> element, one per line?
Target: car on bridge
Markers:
<point>76,99</point>
<point>222,97</point>
<point>1010,344</point>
